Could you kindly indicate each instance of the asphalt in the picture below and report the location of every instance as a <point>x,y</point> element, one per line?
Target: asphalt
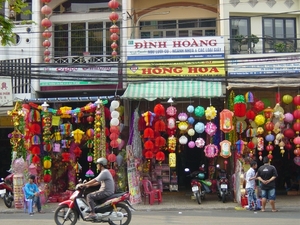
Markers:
<point>184,201</point>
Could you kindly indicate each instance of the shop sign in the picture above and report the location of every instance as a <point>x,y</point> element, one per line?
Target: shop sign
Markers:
<point>176,68</point>
<point>264,64</point>
<point>175,48</point>
<point>80,75</point>
<point>6,96</point>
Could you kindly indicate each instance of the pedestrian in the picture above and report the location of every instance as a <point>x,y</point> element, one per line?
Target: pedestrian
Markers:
<point>267,174</point>
<point>107,186</point>
<point>32,192</point>
<point>250,186</point>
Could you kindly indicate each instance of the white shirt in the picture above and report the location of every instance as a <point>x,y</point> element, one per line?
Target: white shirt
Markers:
<point>250,183</point>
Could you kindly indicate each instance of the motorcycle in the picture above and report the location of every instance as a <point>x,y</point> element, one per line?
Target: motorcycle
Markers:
<point>199,186</point>
<point>6,188</point>
<point>222,183</point>
<point>112,210</point>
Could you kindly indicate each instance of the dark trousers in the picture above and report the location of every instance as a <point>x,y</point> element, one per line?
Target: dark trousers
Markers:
<point>37,202</point>
<point>94,196</point>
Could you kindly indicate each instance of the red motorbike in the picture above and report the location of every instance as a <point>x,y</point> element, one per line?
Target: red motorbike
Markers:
<point>6,190</point>
<point>115,209</point>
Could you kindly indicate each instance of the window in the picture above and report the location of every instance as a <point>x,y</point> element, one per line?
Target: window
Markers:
<point>239,31</point>
<point>75,39</point>
<point>279,35</point>
<point>178,28</point>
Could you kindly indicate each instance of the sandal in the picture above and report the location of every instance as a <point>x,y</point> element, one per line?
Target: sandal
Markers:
<point>90,217</point>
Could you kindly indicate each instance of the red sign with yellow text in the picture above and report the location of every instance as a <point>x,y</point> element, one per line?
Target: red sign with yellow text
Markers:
<point>176,68</point>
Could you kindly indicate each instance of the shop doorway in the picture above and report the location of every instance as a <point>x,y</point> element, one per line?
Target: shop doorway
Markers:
<point>5,151</point>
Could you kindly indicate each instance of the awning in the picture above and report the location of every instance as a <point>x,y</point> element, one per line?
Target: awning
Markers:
<point>175,89</point>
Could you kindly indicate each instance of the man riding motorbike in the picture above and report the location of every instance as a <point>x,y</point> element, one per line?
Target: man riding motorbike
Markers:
<point>107,186</point>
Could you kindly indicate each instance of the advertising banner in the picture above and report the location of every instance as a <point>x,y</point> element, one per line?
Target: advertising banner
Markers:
<point>188,56</point>
<point>6,96</point>
<point>264,64</point>
<point>87,75</point>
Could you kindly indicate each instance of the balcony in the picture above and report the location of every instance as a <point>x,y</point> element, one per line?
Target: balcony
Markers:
<point>86,59</point>
<point>257,45</point>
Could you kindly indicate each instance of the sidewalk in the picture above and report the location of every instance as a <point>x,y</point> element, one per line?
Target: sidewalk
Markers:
<point>183,201</point>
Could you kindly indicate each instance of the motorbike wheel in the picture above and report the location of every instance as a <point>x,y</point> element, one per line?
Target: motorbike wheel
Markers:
<point>223,198</point>
<point>59,216</point>
<point>198,197</point>
<point>8,200</point>
<point>123,208</point>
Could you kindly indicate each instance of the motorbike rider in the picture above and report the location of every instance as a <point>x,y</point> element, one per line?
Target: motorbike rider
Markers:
<point>107,186</point>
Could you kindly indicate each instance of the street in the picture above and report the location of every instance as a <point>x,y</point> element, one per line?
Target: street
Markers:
<point>191,217</point>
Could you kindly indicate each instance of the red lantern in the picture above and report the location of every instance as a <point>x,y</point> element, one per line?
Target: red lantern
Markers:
<point>112,172</point>
<point>114,37</point>
<point>289,133</point>
<point>113,4</point>
<point>269,126</point>
<point>259,106</point>
<point>46,52</point>
<point>148,155</point>
<point>114,45</point>
<point>268,112</point>
<point>46,43</point>
<point>296,114</point>
<point>148,145</point>
<point>250,115</point>
<point>47,59</point>
<point>46,10</point>
<point>46,23</point>
<point>65,156</point>
<point>114,17</point>
<point>296,140</point>
<point>114,29</point>
<point>297,151</point>
<point>114,54</point>
<point>160,156</point>
<point>35,150</point>
<point>296,127</point>
<point>296,100</point>
<point>113,136</point>
<point>270,157</point>
<point>77,151</point>
<point>160,141</point>
<point>250,145</point>
<point>47,34</point>
<point>114,144</point>
<point>47,178</point>
<point>90,119</point>
<point>46,1</point>
<point>112,157</point>
<point>239,109</point>
<point>270,148</point>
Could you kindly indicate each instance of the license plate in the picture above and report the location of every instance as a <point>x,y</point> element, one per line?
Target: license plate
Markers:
<point>195,188</point>
<point>2,192</point>
<point>224,186</point>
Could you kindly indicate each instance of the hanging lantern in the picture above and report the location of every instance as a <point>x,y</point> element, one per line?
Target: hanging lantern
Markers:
<point>114,45</point>
<point>296,100</point>
<point>287,99</point>
<point>172,160</point>
<point>46,10</point>
<point>113,4</point>
<point>114,29</point>
<point>160,156</point>
<point>225,149</point>
<point>226,124</point>
<point>259,106</point>
<point>112,157</point>
<point>47,34</point>
<point>46,23</point>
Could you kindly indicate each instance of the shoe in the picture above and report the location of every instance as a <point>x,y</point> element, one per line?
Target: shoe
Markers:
<point>90,217</point>
<point>40,212</point>
<point>30,214</point>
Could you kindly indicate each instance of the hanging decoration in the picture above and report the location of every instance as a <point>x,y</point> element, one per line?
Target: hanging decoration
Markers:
<point>114,29</point>
<point>226,120</point>
<point>46,24</point>
<point>296,125</point>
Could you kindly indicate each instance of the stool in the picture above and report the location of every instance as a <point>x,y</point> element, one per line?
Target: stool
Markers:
<point>150,192</point>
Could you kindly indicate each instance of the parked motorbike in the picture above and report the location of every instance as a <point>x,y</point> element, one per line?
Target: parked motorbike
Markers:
<point>6,188</point>
<point>223,184</point>
<point>115,209</point>
<point>200,186</point>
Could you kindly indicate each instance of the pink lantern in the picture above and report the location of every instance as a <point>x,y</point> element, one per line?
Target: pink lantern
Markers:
<point>32,169</point>
<point>114,45</point>
<point>112,157</point>
<point>191,144</point>
<point>46,52</point>
<point>46,1</point>
<point>46,43</point>
<point>114,37</point>
<point>46,23</point>
<point>113,4</point>
<point>46,10</point>
<point>47,34</point>
<point>114,29</point>
<point>114,17</point>
<point>114,53</point>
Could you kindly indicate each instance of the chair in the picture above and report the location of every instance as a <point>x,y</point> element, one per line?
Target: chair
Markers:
<point>150,192</point>
<point>28,203</point>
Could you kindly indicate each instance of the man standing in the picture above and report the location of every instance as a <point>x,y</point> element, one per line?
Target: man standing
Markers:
<point>107,186</point>
<point>250,186</point>
<point>267,174</point>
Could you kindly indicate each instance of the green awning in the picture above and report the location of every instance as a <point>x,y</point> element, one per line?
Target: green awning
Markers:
<point>175,89</point>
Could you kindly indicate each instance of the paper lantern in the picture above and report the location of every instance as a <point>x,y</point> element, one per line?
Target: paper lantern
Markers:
<point>259,120</point>
<point>183,140</point>
<point>211,151</point>
<point>46,10</point>
<point>296,114</point>
<point>160,141</point>
<point>269,126</point>
<point>210,128</point>
<point>182,116</point>
<point>114,29</point>
<point>172,160</point>
<point>160,156</point>
<point>65,156</point>
<point>191,120</point>
<point>171,111</point>
<point>240,146</point>
<point>159,110</point>
<point>296,127</point>
<point>148,133</point>
<point>191,144</point>
<point>190,109</point>
<point>296,140</point>
<point>114,122</point>
<point>199,111</point>
<point>239,99</point>
<point>296,100</point>
<point>250,115</point>
<point>226,120</point>
<point>148,155</point>
<point>46,23</point>
<point>249,97</point>
<point>287,99</point>
<point>288,117</point>
<point>112,157</point>
<point>225,149</point>
<point>113,4</point>
<point>240,109</point>
<point>191,132</point>
<point>89,173</point>
<point>297,159</point>
<point>200,142</point>
<point>113,136</point>
<point>114,143</point>
<point>114,45</point>
<point>183,126</point>
<point>199,127</point>
<point>259,106</point>
<point>210,113</point>
<point>47,34</point>
<point>160,126</point>
<point>149,145</point>
<point>270,137</point>
<point>289,133</point>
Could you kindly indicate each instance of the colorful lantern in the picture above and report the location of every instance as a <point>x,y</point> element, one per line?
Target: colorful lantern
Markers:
<point>287,99</point>
<point>225,149</point>
<point>226,124</point>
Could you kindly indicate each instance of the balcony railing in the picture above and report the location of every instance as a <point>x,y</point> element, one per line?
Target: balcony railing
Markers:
<point>86,59</point>
<point>267,44</point>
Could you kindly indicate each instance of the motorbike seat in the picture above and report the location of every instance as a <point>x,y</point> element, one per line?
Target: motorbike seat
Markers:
<point>116,195</point>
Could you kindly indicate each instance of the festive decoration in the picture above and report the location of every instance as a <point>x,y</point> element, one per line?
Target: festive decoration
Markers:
<point>226,124</point>
<point>211,150</point>
<point>200,142</point>
<point>225,149</point>
<point>46,23</point>
<point>114,29</point>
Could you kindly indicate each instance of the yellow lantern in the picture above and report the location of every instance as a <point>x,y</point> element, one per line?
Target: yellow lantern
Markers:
<point>47,162</point>
<point>287,99</point>
<point>172,159</point>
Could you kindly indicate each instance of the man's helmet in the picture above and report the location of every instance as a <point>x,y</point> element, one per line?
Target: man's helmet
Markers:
<point>102,161</point>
